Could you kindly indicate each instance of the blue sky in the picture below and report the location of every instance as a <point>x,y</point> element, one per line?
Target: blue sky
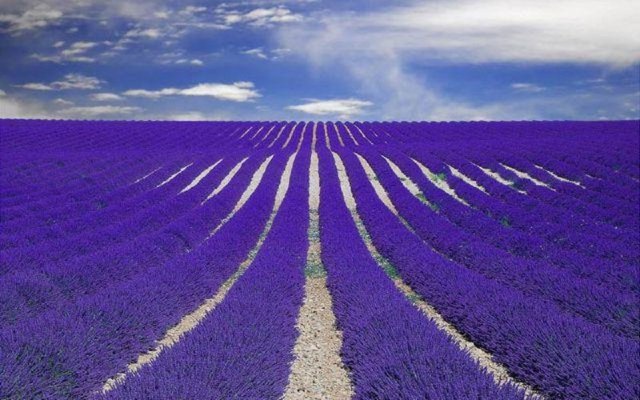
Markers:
<point>322,59</point>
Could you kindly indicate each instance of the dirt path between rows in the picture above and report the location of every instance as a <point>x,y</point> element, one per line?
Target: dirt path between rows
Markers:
<point>485,360</point>
<point>317,371</point>
<point>193,319</point>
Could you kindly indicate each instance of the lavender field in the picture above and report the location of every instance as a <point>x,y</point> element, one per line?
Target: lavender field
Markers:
<point>298,260</point>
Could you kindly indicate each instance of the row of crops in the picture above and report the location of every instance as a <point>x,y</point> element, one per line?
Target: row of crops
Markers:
<point>169,260</point>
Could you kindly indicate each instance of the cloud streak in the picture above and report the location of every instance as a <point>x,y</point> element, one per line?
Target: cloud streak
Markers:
<point>237,91</point>
<point>544,31</point>
<point>258,17</point>
<point>343,108</point>
<point>378,50</point>
<point>106,97</point>
<point>97,111</point>
<point>37,17</point>
<point>70,81</point>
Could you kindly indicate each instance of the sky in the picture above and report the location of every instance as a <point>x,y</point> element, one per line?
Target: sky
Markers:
<point>320,59</point>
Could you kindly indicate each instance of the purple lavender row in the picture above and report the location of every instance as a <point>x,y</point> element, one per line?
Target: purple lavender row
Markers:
<point>618,277</point>
<point>607,191</point>
<point>63,183</point>
<point>377,137</point>
<point>391,349</point>
<point>114,209</point>
<point>599,183</point>
<point>578,169</point>
<point>57,242</point>
<point>481,156</point>
<point>519,212</point>
<point>616,311</point>
<point>60,156</point>
<point>56,205</point>
<point>244,349</point>
<point>83,183</point>
<point>70,136</point>
<point>618,217</point>
<point>70,353</point>
<point>603,200</point>
<point>592,215</point>
<point>568,229</point>
<point>34,231</point>
<point>561,356</point>
<point>576,163</point>
<point>21,182</point>
<point>27,292</point>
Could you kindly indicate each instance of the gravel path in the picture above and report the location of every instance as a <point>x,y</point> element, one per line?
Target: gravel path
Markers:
<point>484,359</point>
<point>193,319</point>
<point>317,371</point>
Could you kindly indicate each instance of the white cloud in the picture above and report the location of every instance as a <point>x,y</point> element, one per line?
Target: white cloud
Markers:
<point>13,108</point>
<point>151,94</point>
<point>343,108</point>
<point>263,54</point>
<point>2,93</point>
<point>37,17</point>
<point>164,14</point>
<point>526,87</point>
<point>195,116</point>
<point>237,91</point>
<point>258,17</point>
<point>60,59</point>
<point>75,53</point>
<point>257,52</point>
<point>191,10</point>
<point>78,48</point>
<point>106,97</point>
<point>62,102</point>
<point>96,111</point>
<point>70,81</point>
<point>378,50</point>
<point>35,86</point>
<point>193,61</point>
<point>577,31</point>
<point>149,33</point>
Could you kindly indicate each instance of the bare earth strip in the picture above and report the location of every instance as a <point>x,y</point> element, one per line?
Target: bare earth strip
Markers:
<point>253,185</point>
<point>226,180</point>
<point>467,180</point>
<point>409,184</point>
<point>264,137</point>
<point>484,359</point>
<point>277,136</point>
<point>147,175</point>
<point>440,182</point>
<point>200,177</point>
<point>286,143</point>
<point>169,179</point>
<point>245,132</point>
<point>326,137</point>
<point>350,134</point>
<point>382,194</point>
<point>558,177</point>
<point>500,179</point>
<point>193,319</point>
<point>524,175</point>
<point>256,133</point>
<point>317,371</point>
<point>363,135</point>
<point>338,135</point>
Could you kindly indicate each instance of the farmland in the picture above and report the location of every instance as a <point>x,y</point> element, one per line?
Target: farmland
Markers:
<point>202,260</point>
